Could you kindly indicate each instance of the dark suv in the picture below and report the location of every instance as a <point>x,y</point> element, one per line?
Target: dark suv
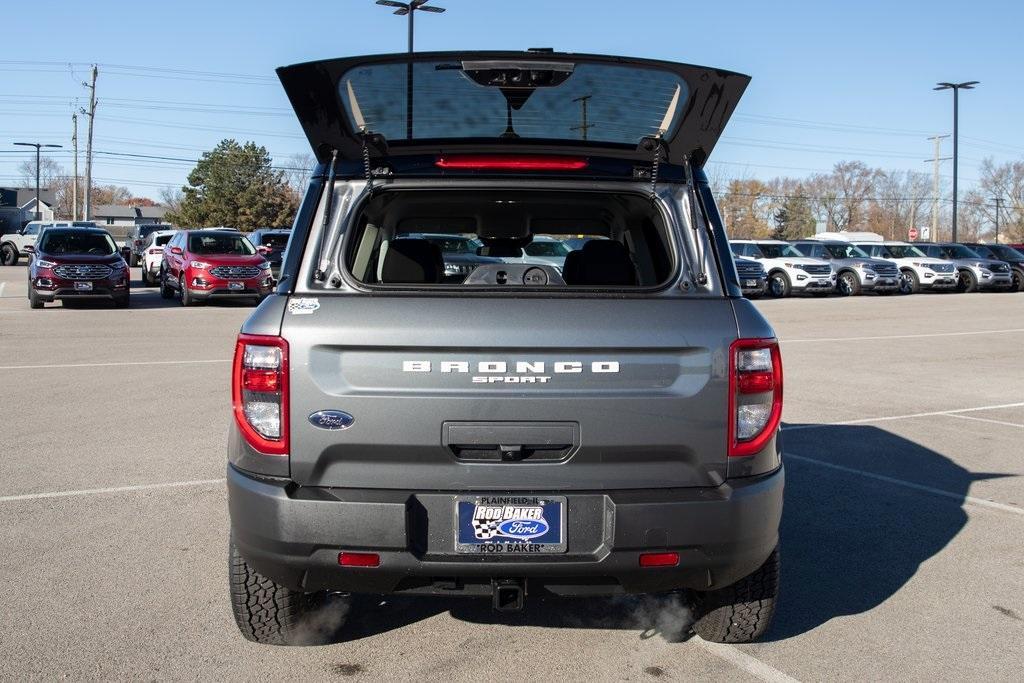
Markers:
<point>138,238</point>
<point>72,264</point>
<point>274,242</point>
<point>1007,254</point>
<point>518,430</point>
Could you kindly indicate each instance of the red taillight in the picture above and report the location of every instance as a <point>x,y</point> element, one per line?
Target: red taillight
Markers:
<point>261,380</point>
<point>510,162</point>
<point>359,559</point>
<point>156,251</point>
<point>659,559</point>
<point>259,392</point>
<point>755,394</point>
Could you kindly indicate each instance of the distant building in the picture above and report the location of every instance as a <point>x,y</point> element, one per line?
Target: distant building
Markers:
<point>18,206</point>
<point>125,216</point>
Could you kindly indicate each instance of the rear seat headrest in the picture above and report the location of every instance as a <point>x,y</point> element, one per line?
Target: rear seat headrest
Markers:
<point>412,261</point>
<point>600,263</point>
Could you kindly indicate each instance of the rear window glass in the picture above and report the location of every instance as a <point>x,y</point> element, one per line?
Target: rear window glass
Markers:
<point>146,230</point>
<point>219,243</point>
<point>58,242</point>
<point>553,100</point>
<point>275,241</point>
<point>161,240</point>
<point>510,240</point>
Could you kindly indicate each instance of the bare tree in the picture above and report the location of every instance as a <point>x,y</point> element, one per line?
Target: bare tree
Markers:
<point>1005,182</point>
<point>171,198</point>
<point>49,170</point>
<point>297,170</point>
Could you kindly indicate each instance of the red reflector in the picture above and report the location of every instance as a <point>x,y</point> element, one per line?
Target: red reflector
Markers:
<point>659,559</point>
<point>510,162</point>
<point>359,559</point>
<point>261,380</point>
<point>156,251</point>
<point>755,382</point>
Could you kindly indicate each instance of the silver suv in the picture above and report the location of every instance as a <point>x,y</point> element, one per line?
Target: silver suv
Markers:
<point>976,271</point>
<point>510,431</point>
<point>856,271</point>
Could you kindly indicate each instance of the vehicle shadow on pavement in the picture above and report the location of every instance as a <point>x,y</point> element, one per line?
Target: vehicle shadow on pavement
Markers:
<point>849,541</point>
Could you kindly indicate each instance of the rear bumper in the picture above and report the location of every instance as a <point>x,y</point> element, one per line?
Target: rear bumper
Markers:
<point>294,534</point>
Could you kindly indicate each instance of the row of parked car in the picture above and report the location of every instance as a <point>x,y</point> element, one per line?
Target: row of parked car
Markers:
<point>72,262</point>
<point>857,263</point>
<point>77,260</point>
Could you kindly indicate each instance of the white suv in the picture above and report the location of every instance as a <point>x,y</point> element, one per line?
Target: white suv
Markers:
<point>153,255</point>
<point>917,271</point>
<point>788,270</point>
<point>12,244</point>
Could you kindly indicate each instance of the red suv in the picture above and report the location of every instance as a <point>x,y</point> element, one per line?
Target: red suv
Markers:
<point>206,264</point>
<point>72,264</point>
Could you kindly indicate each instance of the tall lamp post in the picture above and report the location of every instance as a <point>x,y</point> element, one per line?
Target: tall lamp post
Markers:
<point>956,88</point>
<point>38,146</point>
<point>409,9</point>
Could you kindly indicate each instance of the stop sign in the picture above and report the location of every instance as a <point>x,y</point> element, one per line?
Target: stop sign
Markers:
<point>912,233</point>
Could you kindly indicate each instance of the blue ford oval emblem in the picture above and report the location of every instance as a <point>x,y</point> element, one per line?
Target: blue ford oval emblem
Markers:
<point>523,529</point>
<point>331,419</point>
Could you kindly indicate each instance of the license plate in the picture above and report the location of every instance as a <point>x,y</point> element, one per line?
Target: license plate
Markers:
<point>236,285</point>
<point>83,286</point>
<point>750,283</point>
<point>510,525</point>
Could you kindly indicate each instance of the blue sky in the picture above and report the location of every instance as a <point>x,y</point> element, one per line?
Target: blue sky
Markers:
<point>831,81</point>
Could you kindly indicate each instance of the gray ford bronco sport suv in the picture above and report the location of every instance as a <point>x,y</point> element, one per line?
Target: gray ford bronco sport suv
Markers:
<point>513,431</point>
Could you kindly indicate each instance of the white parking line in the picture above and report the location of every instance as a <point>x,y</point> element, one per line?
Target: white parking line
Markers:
<point>901,336</point>
<point>111,365</point>
<point>985,419</point>
<point>742,660</point>
<point>868,420</point>
<point>1002,507</point>
<point>115,489</point>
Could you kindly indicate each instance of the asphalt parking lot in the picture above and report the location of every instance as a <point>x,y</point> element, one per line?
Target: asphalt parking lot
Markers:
<point>902,553</point>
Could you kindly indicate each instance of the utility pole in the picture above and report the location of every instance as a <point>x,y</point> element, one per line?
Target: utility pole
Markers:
<point>998,201</point>
<point>74,183</point>
<point>935,183</point>
<point>38,146</point>
<point>584,126</point>
<point>88,145</point>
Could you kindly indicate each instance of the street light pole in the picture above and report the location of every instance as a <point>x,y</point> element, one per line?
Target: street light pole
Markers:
<point>956,88</point>
<point>38,146</point>
<point>410,8</point>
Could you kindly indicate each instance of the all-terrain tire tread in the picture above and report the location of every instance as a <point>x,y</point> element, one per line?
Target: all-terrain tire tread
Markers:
<point>264,611</point>
<point>740,613</point>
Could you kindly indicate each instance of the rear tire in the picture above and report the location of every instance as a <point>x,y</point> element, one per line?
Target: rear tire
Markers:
<point>166,291</point>
<point>8,255</point>
<point>742,612</point>
<point>967,282</point>
<point>1018,280</point>
<point>779,285</point>
<point>271,614</point>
